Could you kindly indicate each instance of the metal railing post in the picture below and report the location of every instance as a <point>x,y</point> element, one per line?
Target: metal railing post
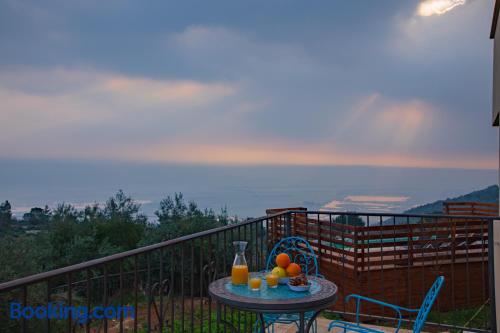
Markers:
<point>288,224</point>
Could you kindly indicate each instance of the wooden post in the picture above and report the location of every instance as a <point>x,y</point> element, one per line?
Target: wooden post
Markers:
<point>355,238</point>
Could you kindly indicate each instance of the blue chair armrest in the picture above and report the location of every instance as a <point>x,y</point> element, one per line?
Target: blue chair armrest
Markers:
<point>372,300</point>
<point>396,308</point>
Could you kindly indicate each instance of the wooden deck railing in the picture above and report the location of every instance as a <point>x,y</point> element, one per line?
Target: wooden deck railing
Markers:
<point>470,208</point>
<point>396,257</point>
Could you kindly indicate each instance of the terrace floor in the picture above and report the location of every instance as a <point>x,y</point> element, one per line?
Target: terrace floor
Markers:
<point>323,328</point>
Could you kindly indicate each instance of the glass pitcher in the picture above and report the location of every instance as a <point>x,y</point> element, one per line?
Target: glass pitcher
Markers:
<point>239,272</point>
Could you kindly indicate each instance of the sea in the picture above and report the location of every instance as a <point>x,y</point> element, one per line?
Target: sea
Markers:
<point>246,191</point>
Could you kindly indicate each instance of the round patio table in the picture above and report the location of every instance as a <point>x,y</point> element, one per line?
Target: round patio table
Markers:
<point>321,295</point>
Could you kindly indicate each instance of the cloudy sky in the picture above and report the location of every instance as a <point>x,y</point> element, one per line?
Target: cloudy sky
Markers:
<point>399,83</point>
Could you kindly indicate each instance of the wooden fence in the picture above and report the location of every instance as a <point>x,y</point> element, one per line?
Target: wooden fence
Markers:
<point>396,259</point>
<point>470,208</point>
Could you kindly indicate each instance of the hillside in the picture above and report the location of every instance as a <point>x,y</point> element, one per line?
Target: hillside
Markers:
<point>488,194</point>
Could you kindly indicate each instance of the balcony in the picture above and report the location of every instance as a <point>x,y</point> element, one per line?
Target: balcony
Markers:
<point>391,257</point>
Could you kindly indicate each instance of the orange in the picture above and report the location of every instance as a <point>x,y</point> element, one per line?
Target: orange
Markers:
<point>282,260</point>
<point>293,269</point>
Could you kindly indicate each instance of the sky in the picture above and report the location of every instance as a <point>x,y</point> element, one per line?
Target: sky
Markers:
<point>384,83</point>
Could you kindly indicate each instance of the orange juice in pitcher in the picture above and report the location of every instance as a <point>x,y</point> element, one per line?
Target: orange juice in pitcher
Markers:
<point>239,272</point>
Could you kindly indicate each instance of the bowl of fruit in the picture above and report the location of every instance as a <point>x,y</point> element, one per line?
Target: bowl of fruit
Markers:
<point>299,283</point>
<point>285,269</point>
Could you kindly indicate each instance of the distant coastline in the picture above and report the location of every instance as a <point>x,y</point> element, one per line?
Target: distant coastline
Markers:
<point>488,194</point>
<point>246,191</point>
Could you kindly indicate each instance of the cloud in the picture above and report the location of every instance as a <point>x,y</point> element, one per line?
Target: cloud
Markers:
<point>222,52</point>
<point>90,83</point>
<point>264,152</point>
<point>224,94</point>
<point>146,92</point>
<point>77,113</point>
<point>43,104</point>
<point>438,7</point>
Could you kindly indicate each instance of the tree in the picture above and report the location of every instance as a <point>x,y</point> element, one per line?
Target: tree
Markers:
<point>120,222</point>
<point>38,216</point>
<point>177,218</point>
<point>23,255</point>
<point>72,236</point>
<point>5,214</point>
<point>353,220</point>
<point>64,232</point>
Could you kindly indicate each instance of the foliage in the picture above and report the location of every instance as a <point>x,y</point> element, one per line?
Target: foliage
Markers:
<point>331,315</point>
<point>47,239</point>
<point>241,320</point>
<point>477,317</point>
<point>37,216</point>
<point>5,212</point>
<point>352,220</point>
<point>24,255</point>
<point>176,219</point>
<point>5,217</point>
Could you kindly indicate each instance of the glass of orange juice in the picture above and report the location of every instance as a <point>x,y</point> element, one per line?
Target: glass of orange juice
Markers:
<point>255,281</point>
<point>272,280</point>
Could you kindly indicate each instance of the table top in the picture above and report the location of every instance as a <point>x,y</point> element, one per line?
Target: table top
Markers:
<point>281,299</point>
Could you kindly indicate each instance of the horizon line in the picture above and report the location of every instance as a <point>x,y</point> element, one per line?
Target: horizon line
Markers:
<point>236,164</point>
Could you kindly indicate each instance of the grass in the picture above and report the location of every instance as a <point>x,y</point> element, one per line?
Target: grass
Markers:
<point>331,315</point>
<point>477,317</point>
<point>242,321</point>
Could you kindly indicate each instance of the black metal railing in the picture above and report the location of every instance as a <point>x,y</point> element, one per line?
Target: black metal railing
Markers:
<point>393,257</point>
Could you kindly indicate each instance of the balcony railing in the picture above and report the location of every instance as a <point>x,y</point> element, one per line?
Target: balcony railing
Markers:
<point>392,257</point>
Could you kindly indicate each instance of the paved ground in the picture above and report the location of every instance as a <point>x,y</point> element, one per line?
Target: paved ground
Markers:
<point>323,328</point>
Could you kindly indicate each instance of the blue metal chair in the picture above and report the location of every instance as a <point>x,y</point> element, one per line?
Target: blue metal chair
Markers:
<point>301,253</point>
<point>424,310</point>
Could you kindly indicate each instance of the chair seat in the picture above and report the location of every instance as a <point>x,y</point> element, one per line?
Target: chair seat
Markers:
<point>345,325</point>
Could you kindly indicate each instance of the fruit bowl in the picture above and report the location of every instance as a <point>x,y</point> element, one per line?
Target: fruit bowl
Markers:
<point>299,283</point>
<point>299,288</point>
<point>283,280</point>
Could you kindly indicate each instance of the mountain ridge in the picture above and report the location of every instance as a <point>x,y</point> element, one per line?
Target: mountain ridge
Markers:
<point>488,194</point>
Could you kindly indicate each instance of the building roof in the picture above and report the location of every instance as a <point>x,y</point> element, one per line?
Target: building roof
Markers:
<point>495,19</point>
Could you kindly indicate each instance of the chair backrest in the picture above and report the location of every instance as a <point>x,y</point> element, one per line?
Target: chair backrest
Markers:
<point>427,304</point>
<point>300,252</point>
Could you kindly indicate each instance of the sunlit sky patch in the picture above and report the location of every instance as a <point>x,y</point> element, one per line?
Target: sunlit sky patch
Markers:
<point>438,7</point>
